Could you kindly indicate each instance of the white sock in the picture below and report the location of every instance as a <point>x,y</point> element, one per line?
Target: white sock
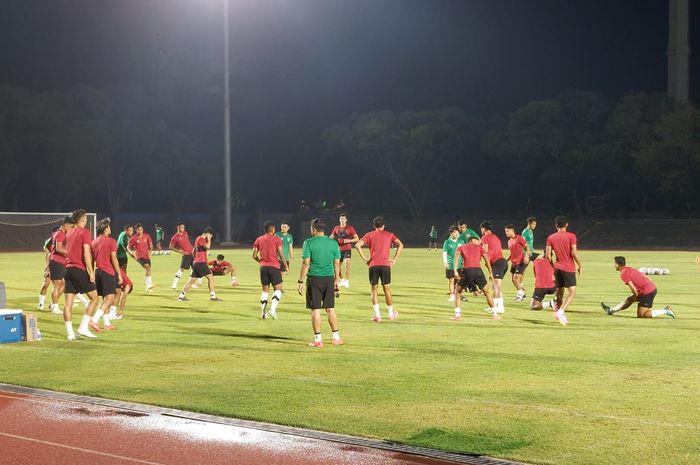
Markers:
<point>212,294</point>
<point>42,299</point>
<point>390,309</point>
<point>317,337</point>
<point>263,300</point>
<point>69,328</point>
<point>616,308</point>
<point>458,311</point>
<point>233,280</point>
<point>175,281</point>
<point>498,303</point>
<point>82,299</point>
<point>84,323</point>
<point>182,294</point>
<point>98,314</point>
<point>655,313</point>
<point>336,335</point>
<point>199,281</point>
<point>560,313</point>
<point>276,296</point>
<point>178,275</point>
<point>149,282</point>
<point>105,318</point>
<point>547,304</point>
<point>54,306</point>
<point>375,307</point>
<point>112,309</point>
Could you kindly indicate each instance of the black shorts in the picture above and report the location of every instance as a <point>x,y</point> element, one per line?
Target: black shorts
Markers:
<point>564,278</point>
<point>472,279</point>
<point>122,261</point>
<point>540,292</point>
<point>533,256</point>
<point>218,273</point>
<point>57,271</point>
<point>518,269</point>
<point>270,275</point>
<point>144,261</point>
<point>377,273</point>
<point>186,262</point>
<point>78,281</point>
<point>647,300</point>
<point>499,268</point>
<point>449,274</point>
<point>105,283</point>
<point>345,255</point>
<point>200,270</point>
<point>320,292</point>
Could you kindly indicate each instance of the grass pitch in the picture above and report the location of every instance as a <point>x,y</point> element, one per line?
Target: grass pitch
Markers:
<point>605,390</point>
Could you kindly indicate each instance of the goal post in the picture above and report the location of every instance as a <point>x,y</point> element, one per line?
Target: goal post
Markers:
<point>26,231</point>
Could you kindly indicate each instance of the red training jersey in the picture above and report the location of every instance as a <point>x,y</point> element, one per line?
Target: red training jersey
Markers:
<point>561,242</point>
<point>379,243</point>
<point>75,240</point>
<point>267,244</point>
<point>102,249</point>
<point>642,283</point>
<point>340,234</point>
<point>142,244</point>
<point>58,237</point>
<point>471,255</point>
<point>493,244</point>
<point>218,266</point>
<point>517,245</point>
<point>544,273</point>
<point>181,241</point>
<point>200,250</point>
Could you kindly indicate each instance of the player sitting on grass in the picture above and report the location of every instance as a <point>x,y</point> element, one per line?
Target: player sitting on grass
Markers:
<point>643,292</point>
<point>220,267</point>
<point>471,276</point>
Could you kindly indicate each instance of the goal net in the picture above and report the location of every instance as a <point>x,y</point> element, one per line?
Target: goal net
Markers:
<point>23,231</point>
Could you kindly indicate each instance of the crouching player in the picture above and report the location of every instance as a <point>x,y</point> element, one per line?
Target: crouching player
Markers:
<point>643,292</point>
<point>471,277</point>
<point>220,267</point>
<point>200,269</point>
<point>116,311</point>
<point>544,284</point>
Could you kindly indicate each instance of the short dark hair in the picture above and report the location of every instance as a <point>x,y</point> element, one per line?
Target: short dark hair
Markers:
<point>620,260</point>
<point>138,225</point>
<point>509,226</point>
<point>561,221</point>
<point>128,226</point>
<point>219,257</point>
<point>318,224</point>
<point>378,222</point>
<point>180,223</point>
<point>68,220</point>
<point>453,228</point>
<point>343,214</point>
<point>103,224</point>
<point>531,219</point>
<point>461,222</point>
<point>54,229</point>
<point>486,225</point>
<point>268,226</point>
<point>474,238</point>
<point>77,215</point>
<point>208,230</point>
<point>156,225</point>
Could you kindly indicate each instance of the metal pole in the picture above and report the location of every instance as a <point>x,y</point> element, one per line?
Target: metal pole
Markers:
<point>227,132</point>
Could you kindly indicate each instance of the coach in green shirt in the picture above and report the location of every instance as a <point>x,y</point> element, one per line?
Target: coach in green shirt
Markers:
<point>529,236</point>
<point>321,268</point>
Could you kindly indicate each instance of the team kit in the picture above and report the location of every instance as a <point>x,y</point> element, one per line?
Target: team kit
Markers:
<point>87,269</point>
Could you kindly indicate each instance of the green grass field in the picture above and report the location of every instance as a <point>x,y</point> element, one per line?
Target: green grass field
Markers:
<point>605,390</point>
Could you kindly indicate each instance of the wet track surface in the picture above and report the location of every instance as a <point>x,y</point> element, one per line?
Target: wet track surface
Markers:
<point>43,429</point>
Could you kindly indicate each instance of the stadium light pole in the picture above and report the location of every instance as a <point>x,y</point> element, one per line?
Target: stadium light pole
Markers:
<point>227,131</point>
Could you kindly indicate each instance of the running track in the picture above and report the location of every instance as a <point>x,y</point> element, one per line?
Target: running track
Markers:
<point>44,427</point>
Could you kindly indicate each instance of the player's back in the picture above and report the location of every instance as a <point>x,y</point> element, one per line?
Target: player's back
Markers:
<point>379,242</point>
<point>267,244</point>
<point>561,243</point>
<point>493,243</point>
<point>544,273</point>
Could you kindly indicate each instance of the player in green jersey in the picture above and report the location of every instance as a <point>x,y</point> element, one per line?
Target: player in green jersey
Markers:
<point>465,232</point>
<point>287,244</point>
<point>529,236</point>
<point>123,246</point>
<point>159,239</point>
<point>449,247</point>
<point>432,238</point>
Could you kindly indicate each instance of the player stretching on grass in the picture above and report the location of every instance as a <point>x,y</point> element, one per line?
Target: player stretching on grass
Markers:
<point>519,258</point>
<point>379,242</point>
<point>346,237</point>
<point>221,267</point>
<point>287,244</point>
<point>643,292</point>
<point>471,276</point>
<point>562,244</point>
<point>80,275</point>
<point>544,284</point>
<point>321,269</point>
<point>267,250</point>
<point>180,243</point>
<point>107,274</point>
<point>449,250</point>
<point>492,246</point>
<point>141,245</point>
<point>200,268</point>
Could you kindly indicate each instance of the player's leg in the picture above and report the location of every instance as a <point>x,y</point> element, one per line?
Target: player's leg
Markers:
<point>389,299</point>
<point>103,312</point>
<point>646,304</point>
<point>210,284</point>
<point>232,271</point>
<point>42,292</point>
<point>624,305</point>
<point>316,326</point>
<point>188,286</point>
<point>149,279</point>
<point>68,315</point>
<point>56,292</point>
<point>122,302</point>
<point>458,289</point>
<point>276,296</point>
<point>348,265</point>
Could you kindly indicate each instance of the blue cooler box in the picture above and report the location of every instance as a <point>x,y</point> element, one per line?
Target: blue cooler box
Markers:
<point>10,326</point>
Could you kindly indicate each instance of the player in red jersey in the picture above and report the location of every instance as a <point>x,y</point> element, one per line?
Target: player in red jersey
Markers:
<point>544,284</point>
<point>47,278</point>
<point>116,312</point>
<point>492,246</point>
<point>221,267</point>
<point>200,269</point>
<point>107,273</point>
<point>346,237</point>
<point>267,251</point>
<point>80,275</point>
<point>643,292</point>
<point>471,276</point>
<point>562,245</point>
<point>519,258</point>
<point>379,242</point>
<point>141,246</point>
<point>180,243</point>
<point>57,262</point>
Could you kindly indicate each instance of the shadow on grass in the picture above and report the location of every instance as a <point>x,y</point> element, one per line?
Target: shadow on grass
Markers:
<point>465,443</point>
<point>239,334</point>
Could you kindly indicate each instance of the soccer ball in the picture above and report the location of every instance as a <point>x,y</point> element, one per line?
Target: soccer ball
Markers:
<point>643,269</point>
<point>166,252</point>
<point>665,271</point>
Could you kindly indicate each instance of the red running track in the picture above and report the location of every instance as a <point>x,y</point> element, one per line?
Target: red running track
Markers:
<point>37,429</point>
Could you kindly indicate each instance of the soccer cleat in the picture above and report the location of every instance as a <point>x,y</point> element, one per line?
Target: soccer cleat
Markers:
<point>394,315</point>
<point>108,327</point>
<point>519,298</point>
<point>116,317</point>
<point>173,287</point>
<point>669,312</point>
<point>86,333</point>
<point>561,319</point>
<point>56,311</point>
<point>215,299</point>
<point>456,318</point>
<point>451,298</point>
<point>463,298</point>
<point>94,326</point>
<point>378,319</point>
<point>72,337</point>
<point>195,286</point>
<point>606,309</point>
<point>273,315</point>
<point>316,345</point>
<point>183,298</point>
<point>495,316</point>
<point>151,289</point>
<point>264,315</point>
<point>337,342</point>
<point>40,307</point>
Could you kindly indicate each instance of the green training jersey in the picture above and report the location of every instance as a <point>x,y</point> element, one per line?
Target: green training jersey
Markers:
<point>287,242</point>
<point>122,242</point>
<point>449,248</point>
<point>529,238</point>
<point>433,233</point>
<point>468,233</point>
<point>322,251</point>
<point>159,235</point>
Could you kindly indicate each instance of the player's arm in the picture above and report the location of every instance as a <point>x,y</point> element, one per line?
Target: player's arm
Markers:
<point>526,251</point>
<point>454,265</point>
<point>302,274</point>
<point>280,254</point>
<point>399,248</point>
<point>488,266</point>
<point>61,249</point>
<point>87,259</point>
<point>354,239</point>
<point>445,261</point>
<point>574,255</point>
<point>548,254</point>
<point>291,252</point>
<point>115,265</point>
<point>172,247</point>
<point>635,292</point>
<point>256,254</point>
<point>358,246</point>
